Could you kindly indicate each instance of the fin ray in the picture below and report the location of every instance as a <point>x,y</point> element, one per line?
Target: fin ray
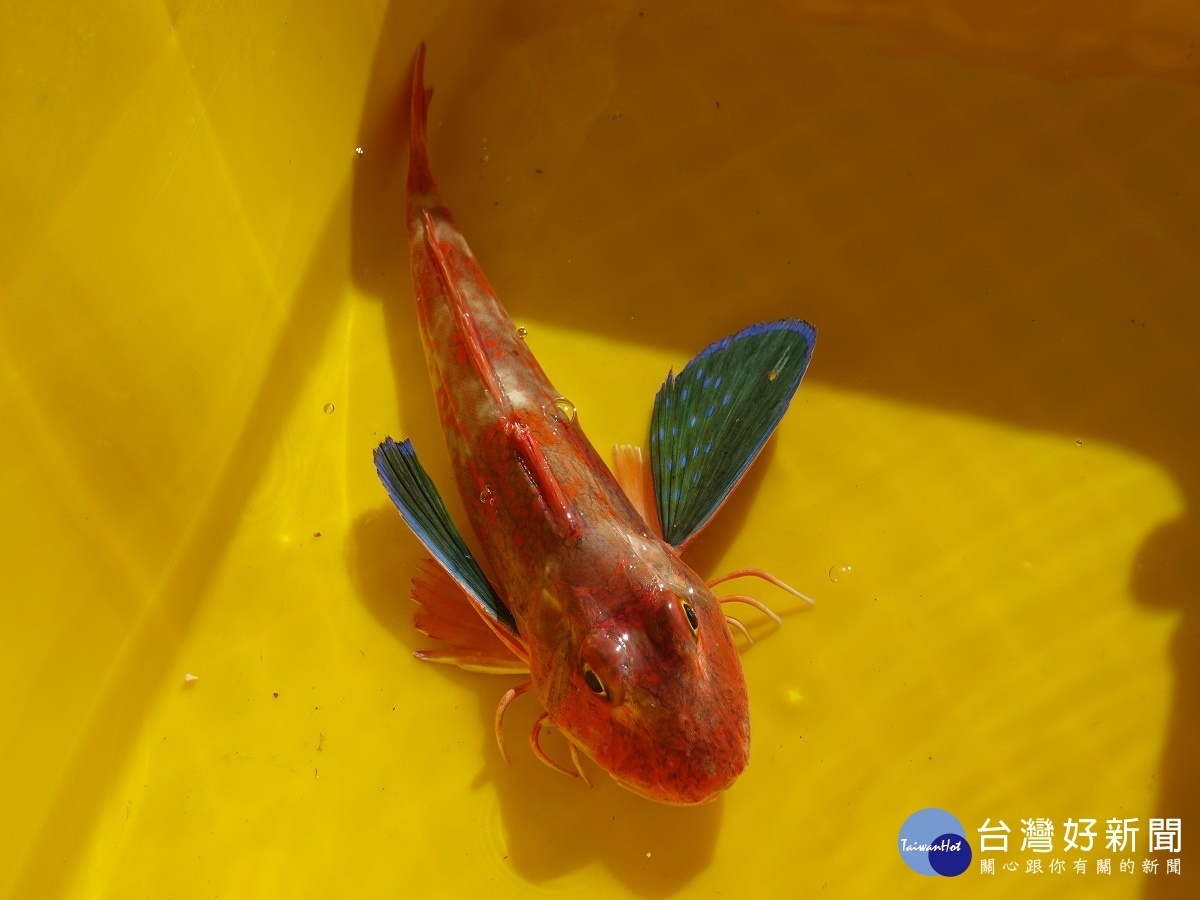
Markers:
<point>446,613</point>
<point>421,507</point>
<point>633,475</point>
<point>712,419</point>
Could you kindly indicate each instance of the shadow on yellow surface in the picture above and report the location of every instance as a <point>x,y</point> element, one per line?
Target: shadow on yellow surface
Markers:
<point>1014,249</point>
<point>154,644</point>
<point>553,826</point>
<point>992,220</point>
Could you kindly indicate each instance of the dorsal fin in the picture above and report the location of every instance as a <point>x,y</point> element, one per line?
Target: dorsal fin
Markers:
<point>559,508</point>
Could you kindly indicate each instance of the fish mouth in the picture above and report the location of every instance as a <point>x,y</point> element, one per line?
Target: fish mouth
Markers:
<point>642,791</point>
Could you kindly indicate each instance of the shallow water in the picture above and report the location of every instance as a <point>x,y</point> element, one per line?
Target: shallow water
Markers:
<point>987,480</point>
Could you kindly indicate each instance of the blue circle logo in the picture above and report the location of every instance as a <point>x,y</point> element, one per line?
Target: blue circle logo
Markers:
<point>932,842</point>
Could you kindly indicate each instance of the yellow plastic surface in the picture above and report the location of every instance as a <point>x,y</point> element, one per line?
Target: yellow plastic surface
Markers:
<point>988,480</point>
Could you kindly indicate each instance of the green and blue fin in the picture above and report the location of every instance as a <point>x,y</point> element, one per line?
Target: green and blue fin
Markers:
<point>421,507</point>
<point>712,419</point>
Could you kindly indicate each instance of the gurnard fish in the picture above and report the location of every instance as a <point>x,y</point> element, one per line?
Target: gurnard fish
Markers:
<point>628,650</point>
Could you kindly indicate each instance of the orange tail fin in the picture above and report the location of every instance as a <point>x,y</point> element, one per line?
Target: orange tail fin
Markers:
<point>420,180</point>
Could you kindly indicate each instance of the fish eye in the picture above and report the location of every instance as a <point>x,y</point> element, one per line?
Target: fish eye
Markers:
<point>604,663</point>
<point>693,619</point>
<point>594,682</point>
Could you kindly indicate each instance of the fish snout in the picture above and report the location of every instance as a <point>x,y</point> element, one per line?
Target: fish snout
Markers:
<point>691,756</point>
<point>693,775</point>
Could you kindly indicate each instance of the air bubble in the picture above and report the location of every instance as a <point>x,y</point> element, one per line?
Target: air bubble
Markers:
<point>839,573</point>
<point>566,407</point>
<point>487,495</point>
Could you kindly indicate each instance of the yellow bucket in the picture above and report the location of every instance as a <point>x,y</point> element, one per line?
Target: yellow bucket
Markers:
<point>988,479</point>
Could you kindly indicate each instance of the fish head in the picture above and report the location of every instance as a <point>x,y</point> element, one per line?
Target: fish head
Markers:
<point>650,686</point>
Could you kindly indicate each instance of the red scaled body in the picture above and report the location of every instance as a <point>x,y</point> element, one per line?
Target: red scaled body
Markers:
<point>629,652</point>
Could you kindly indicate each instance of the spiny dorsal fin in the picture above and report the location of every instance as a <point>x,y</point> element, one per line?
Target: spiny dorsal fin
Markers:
<point>559,508</point>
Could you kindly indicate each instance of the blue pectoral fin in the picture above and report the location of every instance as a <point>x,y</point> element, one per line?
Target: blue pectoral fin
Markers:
<point>415,495</point>
<point>711,420</point>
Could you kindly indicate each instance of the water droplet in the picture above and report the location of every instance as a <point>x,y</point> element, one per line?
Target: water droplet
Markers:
<point>487,495</point>
<point>839,573</point>
<point>358,151</point>
<point>566,407</point>
<point>772,375</point>
<point>328,408</point>
<point>521,332</point>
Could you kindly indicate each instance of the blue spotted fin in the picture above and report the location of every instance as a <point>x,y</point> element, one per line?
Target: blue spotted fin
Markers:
<point>712,419</point>
<point>415,495</point>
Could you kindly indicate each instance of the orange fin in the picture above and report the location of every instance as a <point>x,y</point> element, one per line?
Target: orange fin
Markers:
<point>445,613</point>
<point>633,474</point>
<point>476,661</point>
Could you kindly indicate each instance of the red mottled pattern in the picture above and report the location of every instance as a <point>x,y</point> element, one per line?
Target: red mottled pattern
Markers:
<point>593,590</point>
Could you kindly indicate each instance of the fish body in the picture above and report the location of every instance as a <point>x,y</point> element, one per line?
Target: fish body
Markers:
<point>628,650</point>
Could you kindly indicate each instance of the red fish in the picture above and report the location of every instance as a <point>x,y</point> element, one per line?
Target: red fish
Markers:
<point>628,650</point>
